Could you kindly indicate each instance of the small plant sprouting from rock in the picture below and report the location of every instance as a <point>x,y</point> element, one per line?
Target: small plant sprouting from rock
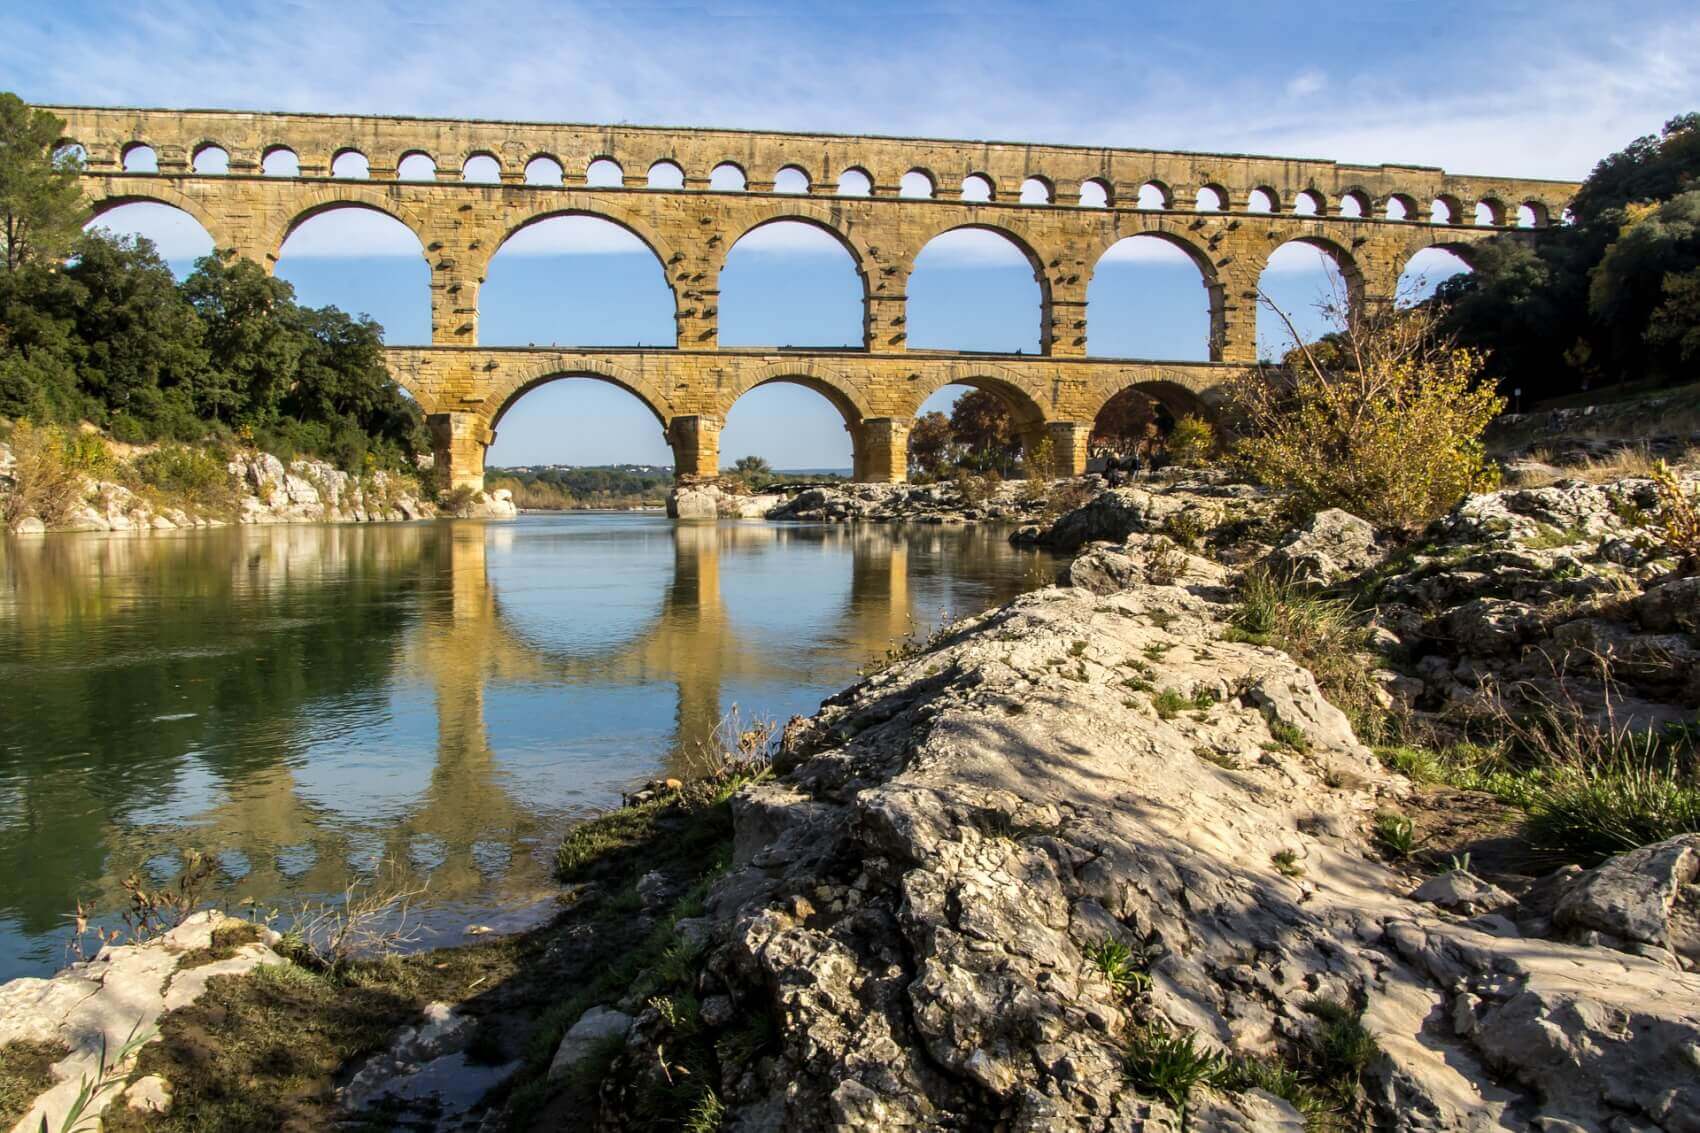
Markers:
<point>1211,755</point>
<point>1288,736</point>
<point>151,912</point>
<point>1170,1064</point>
<point>1344,1048</point>
<point>1287,863</point>
<point>111,1070</point>
<point>707,1115</point>
<point>1395,834</point>
<point>1170,703</point>
<point>1185,528</point>
<point>1119,966</point>
<point>1679,519</point>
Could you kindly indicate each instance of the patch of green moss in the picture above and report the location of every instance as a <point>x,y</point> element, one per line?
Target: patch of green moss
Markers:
<point>25,1072</point>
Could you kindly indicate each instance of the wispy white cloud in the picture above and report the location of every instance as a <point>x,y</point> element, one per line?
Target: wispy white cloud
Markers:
<point>1306,83</point>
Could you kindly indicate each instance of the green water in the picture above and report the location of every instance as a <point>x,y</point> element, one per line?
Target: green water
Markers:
<point>436,700</point>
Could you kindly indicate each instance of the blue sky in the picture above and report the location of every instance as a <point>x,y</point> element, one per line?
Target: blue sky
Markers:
<point>1539,90</point>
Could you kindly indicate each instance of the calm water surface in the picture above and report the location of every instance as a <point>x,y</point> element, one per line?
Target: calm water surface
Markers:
<point>307,704</point>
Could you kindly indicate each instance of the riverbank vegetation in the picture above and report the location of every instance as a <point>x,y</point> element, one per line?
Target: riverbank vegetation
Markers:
<point>269,1050</point>
<point>1609,295</point>
<point>95,328</point>
<point>1383,420</point>
<point>567,489</point>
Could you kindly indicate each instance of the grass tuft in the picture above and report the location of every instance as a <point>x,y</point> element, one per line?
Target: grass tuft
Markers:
<point>1170,1064</point>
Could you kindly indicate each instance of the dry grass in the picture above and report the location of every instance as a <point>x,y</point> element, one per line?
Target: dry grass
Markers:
<point>373,919</point>
<point>1632,461</point>
<point>47,478</point>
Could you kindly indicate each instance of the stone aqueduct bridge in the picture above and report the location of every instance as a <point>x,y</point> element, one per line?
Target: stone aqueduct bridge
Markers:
<point>465,388</point>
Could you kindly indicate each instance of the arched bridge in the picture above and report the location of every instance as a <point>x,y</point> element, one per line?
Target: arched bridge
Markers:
<point>1063,206</point>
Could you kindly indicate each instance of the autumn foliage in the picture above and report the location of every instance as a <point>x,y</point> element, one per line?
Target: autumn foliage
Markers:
<point>1384,420</point>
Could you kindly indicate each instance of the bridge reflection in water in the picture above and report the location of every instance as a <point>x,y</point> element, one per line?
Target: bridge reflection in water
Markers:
<point>281,716</point>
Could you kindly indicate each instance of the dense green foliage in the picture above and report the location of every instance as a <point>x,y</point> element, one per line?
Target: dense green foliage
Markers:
<point>1613,297</point>
<point>109,336</point>
<point>112,338</point>
<point>41,206</point>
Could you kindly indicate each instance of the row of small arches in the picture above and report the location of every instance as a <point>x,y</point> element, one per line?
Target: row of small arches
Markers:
<point>917,184</point>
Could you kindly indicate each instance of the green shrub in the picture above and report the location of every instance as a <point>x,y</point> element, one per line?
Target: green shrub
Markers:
<point>1118,965</point>
<point>1395,833</point>
<point>1591,811</point>
<point>1343,1046</point>
<point>1170,703</point>
<point>1323,634</point>
<point>51,463</point>
<point>1191,442</point>
<point>192,478</point>
<point>1384,420</point>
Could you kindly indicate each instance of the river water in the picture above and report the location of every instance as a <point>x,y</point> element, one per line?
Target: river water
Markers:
<point>435,702</point>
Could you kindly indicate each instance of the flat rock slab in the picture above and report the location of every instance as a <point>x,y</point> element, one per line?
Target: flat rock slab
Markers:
<point>118,995</point>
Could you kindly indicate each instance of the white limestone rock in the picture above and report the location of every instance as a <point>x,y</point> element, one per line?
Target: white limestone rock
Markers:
<point>596,1026</point>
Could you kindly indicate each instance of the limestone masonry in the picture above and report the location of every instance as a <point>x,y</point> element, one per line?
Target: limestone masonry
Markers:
<point>466,388</point>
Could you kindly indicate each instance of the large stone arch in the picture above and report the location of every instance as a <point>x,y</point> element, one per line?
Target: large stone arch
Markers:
<point>817,214</point>
<point>1022,241</point>
<point>1027,404</point>
<point>1172,390</point>
<point>849,396</point>
<point>1351,272</point>
<point>572,205</point>
<point>629,220</point>
<point>644,387</point>
<point>326,196</point>
<point>1465,250</point>
<point>802,210</point>
<point>162,195</point>
<point>1161,226</point>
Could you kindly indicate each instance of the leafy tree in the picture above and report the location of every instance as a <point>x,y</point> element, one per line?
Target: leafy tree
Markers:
<point>1674,327</point>
<point>41,206</point>
<point>929,444</point>
<point>1599,299</point>
<point>1655,243</point>
<point>981,424</point>
<point>39,348</point>
<point>255,347</point>
<point>141,344</point>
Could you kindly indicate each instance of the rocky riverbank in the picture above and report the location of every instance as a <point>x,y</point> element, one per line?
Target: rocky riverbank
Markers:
<point>1106,858</point>
<point>944,502</point>
<point>261,490</point>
